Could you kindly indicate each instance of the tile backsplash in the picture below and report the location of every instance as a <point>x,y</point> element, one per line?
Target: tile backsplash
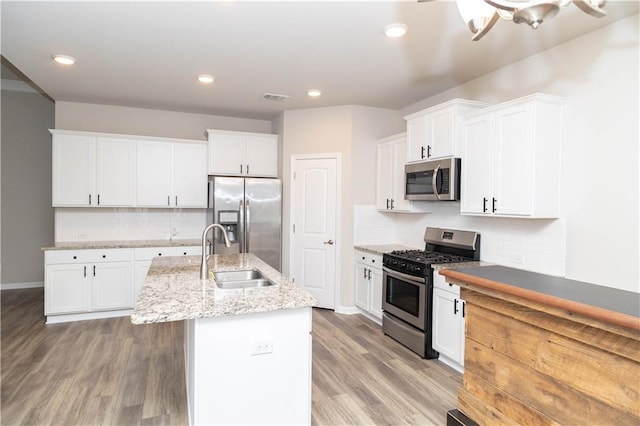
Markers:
<point>536,245</point>
<point>112,224</point>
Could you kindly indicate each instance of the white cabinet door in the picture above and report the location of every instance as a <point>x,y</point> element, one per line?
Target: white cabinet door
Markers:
<point>384,175</point>
<point>154,170</point>
<point>446,324</point>
<point>227,153</point>
<point>442,132</point>
<point>262,155</point>
<point>476,175</point>
<point>73,170</point>
<point>375,289</point>
<point>111,286</point>
<point>115,166</point>
<point>398,157</point>
<point>513,160</point>
<point>417,134</point>
<point>362,286</point>
<point>67,289</point>
<point>189,175</point>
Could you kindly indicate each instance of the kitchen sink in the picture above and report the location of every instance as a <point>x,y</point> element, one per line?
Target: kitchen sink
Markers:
<point>243,284</point>
<point>247,278</point>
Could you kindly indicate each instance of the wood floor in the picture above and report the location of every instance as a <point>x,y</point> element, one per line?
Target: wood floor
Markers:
<point>112,372</point>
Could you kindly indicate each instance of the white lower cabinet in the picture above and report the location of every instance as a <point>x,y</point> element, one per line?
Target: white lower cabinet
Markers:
<point>448,322</point>
<point>88,284</point>
<point>85,281</point>
<point>368,280</point>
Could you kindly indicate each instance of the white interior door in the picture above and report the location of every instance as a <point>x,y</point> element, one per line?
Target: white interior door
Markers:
<point>314,216</point>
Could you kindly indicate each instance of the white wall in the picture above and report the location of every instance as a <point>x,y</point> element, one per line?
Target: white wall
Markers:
<point>352,132</point>
<point>597,238</point>
<point>148,122</point>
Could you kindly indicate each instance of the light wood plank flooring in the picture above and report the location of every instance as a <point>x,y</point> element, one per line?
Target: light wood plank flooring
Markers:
<point>112,372</point>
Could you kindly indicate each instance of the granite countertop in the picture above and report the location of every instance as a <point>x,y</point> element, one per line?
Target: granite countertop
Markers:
<point>438,266</point>
<point>607,304</point>
<point>87,245</point>
<point>173,291</point>
<point>383,248</point>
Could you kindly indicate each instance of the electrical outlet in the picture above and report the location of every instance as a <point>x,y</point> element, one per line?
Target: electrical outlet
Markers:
<point>262,347</point>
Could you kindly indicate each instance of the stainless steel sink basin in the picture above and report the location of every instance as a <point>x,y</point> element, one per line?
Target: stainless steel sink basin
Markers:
<point>241,275</point>
<point>244,284</point>
<point>247,278</point>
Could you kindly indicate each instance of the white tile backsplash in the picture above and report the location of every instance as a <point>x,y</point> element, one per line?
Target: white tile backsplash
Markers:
<point>535,245</point>
<point>106,224</point>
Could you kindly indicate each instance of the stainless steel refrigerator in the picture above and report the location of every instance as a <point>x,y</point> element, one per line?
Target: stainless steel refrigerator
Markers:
<point>251,211</point>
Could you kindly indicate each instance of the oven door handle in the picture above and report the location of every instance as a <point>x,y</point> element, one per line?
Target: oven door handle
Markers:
<point>406,277</point>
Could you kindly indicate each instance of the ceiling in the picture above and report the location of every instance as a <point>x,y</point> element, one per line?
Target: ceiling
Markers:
<point>148,54</point>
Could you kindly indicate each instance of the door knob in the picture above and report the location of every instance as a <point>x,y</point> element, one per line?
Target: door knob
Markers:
<point>330,242</point>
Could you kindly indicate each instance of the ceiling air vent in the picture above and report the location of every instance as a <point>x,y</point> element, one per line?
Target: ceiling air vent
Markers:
<point>274,97</point>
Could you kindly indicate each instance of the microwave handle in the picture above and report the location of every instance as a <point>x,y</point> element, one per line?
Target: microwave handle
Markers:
<point>434,184</point>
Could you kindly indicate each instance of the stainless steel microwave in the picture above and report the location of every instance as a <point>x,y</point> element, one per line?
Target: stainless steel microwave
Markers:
<point>435,180</point>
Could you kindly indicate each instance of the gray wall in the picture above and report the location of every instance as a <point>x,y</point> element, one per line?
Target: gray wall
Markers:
<point>27,215</point>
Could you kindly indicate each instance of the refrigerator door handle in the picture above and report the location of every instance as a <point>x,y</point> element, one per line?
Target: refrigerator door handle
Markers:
<point>241,226</point>
<point>248,226</point>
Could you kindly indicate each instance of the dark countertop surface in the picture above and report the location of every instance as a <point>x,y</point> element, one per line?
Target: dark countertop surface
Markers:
<point>559,289</point>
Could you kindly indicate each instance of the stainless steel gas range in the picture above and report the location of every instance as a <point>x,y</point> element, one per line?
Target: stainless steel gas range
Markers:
<point>407,285</point>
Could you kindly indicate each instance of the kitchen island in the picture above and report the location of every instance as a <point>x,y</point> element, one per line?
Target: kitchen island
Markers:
<point>546,350</point>
<point>247,350</point>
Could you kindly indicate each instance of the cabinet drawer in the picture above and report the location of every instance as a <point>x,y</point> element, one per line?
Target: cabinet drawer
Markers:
<point>148,253</point>
<point>371,260</point>
<point>87,256</point>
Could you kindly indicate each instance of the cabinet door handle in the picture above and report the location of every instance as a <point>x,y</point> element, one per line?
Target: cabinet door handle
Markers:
<point>240,168</point>
<point>387,204</point>
<point>422,152</point>
<point>98,199</point>
<point>85,271</point>
<point>369,274</point>
<point>464,305</point>
<point>484,204</point>
<point>364,273</point>
<point>176,201</point>
<point>168,200</point>
<point>428,151</point>
<point>455,306</point>
<point>94,270</point>
<point>89,199</point>
<point>392,204</point>
<point>247,169</point>
<point>493,204</point>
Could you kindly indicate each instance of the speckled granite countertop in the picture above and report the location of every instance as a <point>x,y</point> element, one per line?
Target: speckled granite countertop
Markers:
<point>437,267</point>
<point>88,245</point>
<point>173,291</point>
<point>383,248</point>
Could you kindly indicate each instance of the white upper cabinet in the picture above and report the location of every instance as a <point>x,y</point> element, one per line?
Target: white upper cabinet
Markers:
<point>242,153</point>
<point>391,154</point>
<point>106,170</point>
<point>436,132</point>
<point>512,154</point>
<point>171,174</point>
<point>91,171</point>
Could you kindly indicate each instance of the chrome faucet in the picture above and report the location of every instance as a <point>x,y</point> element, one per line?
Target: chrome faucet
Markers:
<point>203,262</point>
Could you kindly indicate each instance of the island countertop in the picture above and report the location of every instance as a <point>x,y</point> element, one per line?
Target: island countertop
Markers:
<point>91,245</point>
<point>606,304</point>
<point>173,290</point>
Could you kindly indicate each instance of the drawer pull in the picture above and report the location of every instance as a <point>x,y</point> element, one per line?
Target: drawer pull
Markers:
<point>75,257</point>
<point>104,256</point>
<point>184,253</point>
<point>159,254</point>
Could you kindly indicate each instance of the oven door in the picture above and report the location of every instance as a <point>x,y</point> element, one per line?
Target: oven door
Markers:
<point>404,296</point>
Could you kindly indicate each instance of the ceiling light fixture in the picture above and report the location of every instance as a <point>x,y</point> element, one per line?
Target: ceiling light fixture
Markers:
<point>314,93</point>
<point>395,30</point>
<point>64,59</point>
<point>205,78</point>
<point>482,15</point>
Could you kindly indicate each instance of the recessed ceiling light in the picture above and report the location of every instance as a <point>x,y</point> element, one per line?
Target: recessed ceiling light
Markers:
<point>64,59</point>
<point>205,78</point>
<point>314,93</point>
<point>395,30</point>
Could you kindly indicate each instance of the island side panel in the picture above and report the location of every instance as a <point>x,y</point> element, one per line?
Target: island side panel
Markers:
<point>526,366</point>
<point>230,382</point>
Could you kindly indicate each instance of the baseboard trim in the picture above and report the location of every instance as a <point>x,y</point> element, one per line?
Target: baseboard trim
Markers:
<point>17,286</point>
<point>55,319</point>
<point>348,310</point>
